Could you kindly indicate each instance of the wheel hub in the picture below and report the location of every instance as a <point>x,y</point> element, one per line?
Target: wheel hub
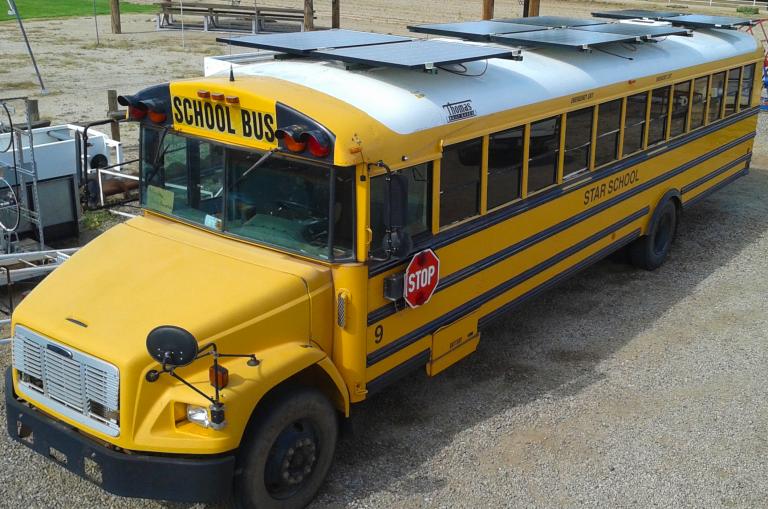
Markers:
<point>298,461</point>
<point>292,459</point>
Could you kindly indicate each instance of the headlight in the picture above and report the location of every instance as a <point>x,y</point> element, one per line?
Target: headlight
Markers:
<point>200,416</point>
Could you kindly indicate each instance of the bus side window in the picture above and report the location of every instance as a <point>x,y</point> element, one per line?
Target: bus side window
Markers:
<point>716,96</point>
<point>680,103</point>
<point>699,103</point>
<point>460,181</point>
<point>657,122</point>
<point>544,153</point>
<point>505,166</point>
<point>578,140</point>
<point>747,81</point>
<point>608,129</point>
<point>419,204</point>
<point>634,124</point>
<point>731,99</point>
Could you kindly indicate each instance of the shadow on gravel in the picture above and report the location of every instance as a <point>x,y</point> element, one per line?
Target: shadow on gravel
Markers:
<point>548,348</point>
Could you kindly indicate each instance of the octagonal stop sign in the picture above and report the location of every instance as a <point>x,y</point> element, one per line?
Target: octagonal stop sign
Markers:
<point>421,278</point>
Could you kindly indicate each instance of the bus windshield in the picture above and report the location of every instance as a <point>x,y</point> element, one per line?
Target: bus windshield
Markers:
<point>281,202</point>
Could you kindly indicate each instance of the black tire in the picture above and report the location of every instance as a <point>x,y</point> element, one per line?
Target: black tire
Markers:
<point>650,251</point>
<point>287,452</point>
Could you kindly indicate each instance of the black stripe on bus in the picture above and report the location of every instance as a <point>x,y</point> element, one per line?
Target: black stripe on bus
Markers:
<point>716,187</point>
<point>481,299</point>
<point>397,372</point>
<point>391,308</point>
<point>706,178</point>
<point>482,222</point>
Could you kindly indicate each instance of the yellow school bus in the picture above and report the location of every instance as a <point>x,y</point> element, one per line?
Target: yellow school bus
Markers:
<point>313,229</point>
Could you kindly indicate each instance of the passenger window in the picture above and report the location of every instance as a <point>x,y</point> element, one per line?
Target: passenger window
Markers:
<point>731,99</point>
<point>716,96</point>
<point>747,80</point>
<point>505,166</point>
<point>608,125</point>
<point>419,204</point>
<point>578,140</point>
<point>680,102</point>
<point>544,154</point>
<point>699,102</point>
<point>460,181</point>
<point>634,124</point>
<point>657,123</point>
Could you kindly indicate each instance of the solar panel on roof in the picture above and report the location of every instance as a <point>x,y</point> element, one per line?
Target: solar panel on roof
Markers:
<point>701,21</point>
<point>304,42</point>
<point>561,37</point>
<point>551,21</point>
<point>474,30</point>
<point>416,54</point>
<point>640,31</point>
<point>636,13</point>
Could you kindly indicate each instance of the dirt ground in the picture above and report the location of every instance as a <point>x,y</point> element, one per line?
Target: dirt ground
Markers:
<point>621,388</point>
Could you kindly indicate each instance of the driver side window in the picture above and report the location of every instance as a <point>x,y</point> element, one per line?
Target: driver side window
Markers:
<point>419,205</point>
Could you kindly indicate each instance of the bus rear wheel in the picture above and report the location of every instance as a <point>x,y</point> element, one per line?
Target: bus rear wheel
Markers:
<point>288,453</point>
<point>650,251</point>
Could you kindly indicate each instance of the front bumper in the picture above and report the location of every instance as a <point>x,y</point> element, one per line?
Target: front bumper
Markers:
<point>176,478</point>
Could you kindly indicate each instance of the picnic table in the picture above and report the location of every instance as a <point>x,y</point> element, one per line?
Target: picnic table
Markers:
<point>212,13</point>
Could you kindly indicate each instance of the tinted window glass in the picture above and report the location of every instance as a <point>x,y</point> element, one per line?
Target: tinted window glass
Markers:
<point>608,125</point>
<point>716,95</point>
<point>699,102</point>
<point>419,203</point>
<point>680,103</point>
<point>657,128</point>
<point>505,166</point>
<point>544,153</point>
<point>578,140</point>
<point>460,181</point>
<point>747,81</point>
<point>731,99</point>
<point>634,124</point>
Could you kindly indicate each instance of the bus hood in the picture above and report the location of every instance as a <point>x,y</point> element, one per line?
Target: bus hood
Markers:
<point>151,271</point>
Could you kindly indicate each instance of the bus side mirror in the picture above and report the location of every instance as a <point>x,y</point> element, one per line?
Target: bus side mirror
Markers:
<point>172,346</point>
<point>397,241</point>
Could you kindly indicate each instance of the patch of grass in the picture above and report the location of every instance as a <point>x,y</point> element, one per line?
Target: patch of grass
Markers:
<point>19,85</point>
<point>66,8</point>
<point>748,10</point>
<point>94,219</point>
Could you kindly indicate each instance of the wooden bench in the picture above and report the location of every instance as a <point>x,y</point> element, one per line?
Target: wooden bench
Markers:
<point>212,13</point>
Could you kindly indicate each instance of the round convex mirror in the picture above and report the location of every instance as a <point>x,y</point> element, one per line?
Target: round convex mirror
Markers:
<point>172,346</point>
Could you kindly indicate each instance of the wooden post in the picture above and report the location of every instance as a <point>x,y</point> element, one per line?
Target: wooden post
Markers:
<point>114,9</point>
<point>309,15</point>
<point>488,9</point>
<point>111,108</point>
<point>335,14</point>
<point>530,8</point>
<point>34,110</point>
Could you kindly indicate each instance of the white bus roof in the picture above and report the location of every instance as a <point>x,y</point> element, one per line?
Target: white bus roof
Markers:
<point>408,101</point>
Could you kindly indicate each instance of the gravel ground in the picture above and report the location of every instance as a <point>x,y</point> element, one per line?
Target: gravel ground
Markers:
<point>621,388</point>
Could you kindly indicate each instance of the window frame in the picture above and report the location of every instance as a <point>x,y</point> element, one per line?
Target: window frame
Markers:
<point>437,178</point>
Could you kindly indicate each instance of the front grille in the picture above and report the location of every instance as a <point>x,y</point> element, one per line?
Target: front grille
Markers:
<point>77,385</point>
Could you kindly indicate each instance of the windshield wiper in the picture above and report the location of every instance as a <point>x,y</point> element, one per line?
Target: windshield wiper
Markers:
<point>255,165</point>
<point>158,154</point>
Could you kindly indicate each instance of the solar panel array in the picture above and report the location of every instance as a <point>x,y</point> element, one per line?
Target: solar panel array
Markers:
<point>376,50</point>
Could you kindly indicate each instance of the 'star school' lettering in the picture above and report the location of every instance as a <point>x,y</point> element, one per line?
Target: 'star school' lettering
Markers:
<point>614,185</point>
<point>218,117</point>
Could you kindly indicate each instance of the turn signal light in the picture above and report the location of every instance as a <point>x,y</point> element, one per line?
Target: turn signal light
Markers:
<point>318,143</point>
<point>156,117</point>
<point>296,139</point>
<point>218,375</point>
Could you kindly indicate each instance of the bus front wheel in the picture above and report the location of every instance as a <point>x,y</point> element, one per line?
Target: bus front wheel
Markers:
<point>288,453</point>
<point>650,251</point>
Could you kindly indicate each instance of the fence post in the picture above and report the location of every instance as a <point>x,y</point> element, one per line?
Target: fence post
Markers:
<point>111,108</point>
<point>34,110</point>
<point>335,14</point>
<point>309,15</point>
<point>114,9</point>
<point>488,9</point>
